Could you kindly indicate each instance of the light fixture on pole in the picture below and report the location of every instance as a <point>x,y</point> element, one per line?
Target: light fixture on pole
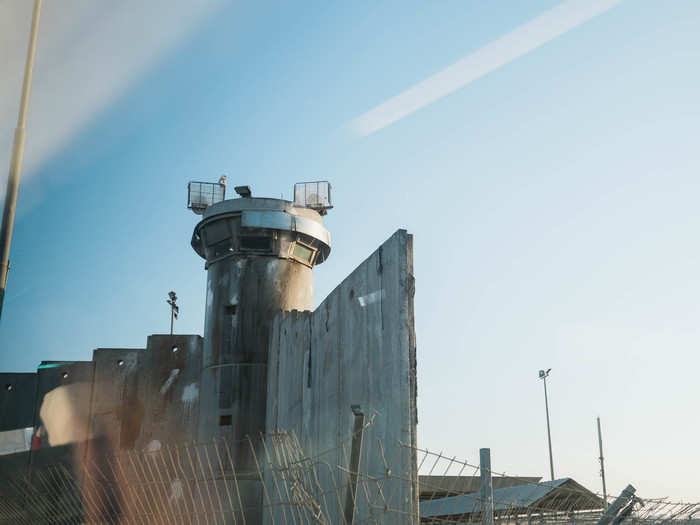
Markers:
<point>174,309</point>
<point>543,376</point>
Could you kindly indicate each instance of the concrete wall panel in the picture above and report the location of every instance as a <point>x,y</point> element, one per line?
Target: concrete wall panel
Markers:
<point>362,352</point>
<point>117,412</point>
<point>169,385</point>
<point>62,413</point>
<point>17,396</point>
<point>291,344</point>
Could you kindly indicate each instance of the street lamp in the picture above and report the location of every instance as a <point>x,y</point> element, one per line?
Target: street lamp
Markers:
<point>174,309</point>
<point>543,376</point>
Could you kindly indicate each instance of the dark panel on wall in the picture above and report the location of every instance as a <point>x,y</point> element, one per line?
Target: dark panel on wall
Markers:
<point>17,394</point>
<point>169,386</point>
<point>289,374</point>
<point>117,411</point>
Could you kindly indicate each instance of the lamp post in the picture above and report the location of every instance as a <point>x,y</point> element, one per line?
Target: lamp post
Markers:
<point>543,376</point>
<point>174,309</point>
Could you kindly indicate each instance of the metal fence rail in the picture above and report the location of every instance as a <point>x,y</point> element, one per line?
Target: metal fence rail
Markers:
<point>197,483</point>
<point>569,504</point>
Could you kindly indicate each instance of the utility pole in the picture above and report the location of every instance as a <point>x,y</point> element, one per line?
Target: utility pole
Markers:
<point>543,376</point>
<point>602,465</point>
<point>355,453</point>
<point>174,309</point>
<point>8,215</point>
<point>485,486</point>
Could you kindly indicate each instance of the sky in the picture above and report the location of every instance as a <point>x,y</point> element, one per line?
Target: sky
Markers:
<point>543,154</point>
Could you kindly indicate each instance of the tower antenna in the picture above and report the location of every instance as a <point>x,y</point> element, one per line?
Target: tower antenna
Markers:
<point>602,464</point>
<point>174,309</point>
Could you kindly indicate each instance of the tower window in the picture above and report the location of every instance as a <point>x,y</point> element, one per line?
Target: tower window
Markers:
<point>302,253</point>
<point>256,244</point>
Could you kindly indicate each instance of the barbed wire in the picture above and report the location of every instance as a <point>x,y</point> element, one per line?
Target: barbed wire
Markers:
<point>202,483</point>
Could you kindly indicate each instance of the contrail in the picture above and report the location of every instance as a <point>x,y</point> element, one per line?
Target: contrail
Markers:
<point>510,46</point>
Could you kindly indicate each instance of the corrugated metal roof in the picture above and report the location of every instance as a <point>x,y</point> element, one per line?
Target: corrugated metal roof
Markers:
<point>523,497</point>
<point>436,486</point>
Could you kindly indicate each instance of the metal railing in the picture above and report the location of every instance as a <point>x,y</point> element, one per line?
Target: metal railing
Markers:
<point>201,195</point>
<point>314,195</point>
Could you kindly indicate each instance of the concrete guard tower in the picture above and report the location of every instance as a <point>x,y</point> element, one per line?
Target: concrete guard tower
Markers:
<point>259,257</point>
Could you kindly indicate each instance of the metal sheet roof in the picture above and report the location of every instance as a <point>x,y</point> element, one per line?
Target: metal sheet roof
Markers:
<point>558,495</point>
<point>436,486</point>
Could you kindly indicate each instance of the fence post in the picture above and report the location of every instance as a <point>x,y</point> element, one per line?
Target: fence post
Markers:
<point>617,505</point>
<point>485,486</point>
<point>355,452</point>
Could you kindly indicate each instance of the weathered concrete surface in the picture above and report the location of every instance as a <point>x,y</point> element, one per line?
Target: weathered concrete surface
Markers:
<point>356,348</point>
<point>169,390</point>
<point>117,412</point>
<point>243,295</point>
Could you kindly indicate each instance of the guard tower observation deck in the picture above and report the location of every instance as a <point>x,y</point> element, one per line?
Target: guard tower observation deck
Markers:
<point>259,256</point>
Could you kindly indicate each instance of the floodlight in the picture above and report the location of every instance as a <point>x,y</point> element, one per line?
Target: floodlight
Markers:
<point>243,191</point>
<point>201,195</point>
<point>314,195</point>
<point>174,309</point>
<point>543,376</point>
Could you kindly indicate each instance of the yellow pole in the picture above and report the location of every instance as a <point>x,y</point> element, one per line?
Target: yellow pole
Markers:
<point>13,177</point>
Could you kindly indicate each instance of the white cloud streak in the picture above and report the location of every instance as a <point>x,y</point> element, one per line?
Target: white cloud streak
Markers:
<point>88,54</point>
<point>523,39</point>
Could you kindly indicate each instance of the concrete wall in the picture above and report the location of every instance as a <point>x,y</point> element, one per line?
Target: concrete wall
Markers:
<point>17,394</point>
<point>128,398</point>
<point>169,375</point>
<point>117,411</point>
<point>357,347</point>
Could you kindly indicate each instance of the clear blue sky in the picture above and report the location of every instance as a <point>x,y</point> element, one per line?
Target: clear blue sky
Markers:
<point>553,204</point>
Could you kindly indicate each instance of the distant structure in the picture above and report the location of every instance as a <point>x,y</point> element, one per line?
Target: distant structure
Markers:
<point>268,379</point>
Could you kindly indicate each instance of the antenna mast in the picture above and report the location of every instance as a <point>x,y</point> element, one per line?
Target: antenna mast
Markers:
<point>602,465</point>
<point>174,309</point>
